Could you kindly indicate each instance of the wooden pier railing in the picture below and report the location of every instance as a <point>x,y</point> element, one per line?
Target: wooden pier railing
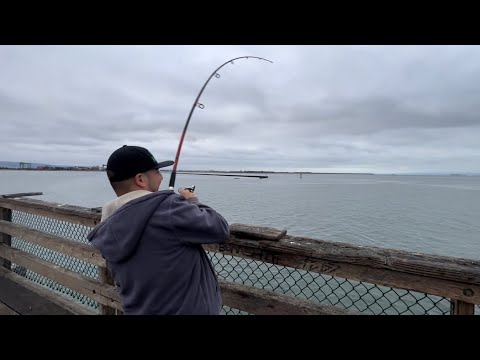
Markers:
<point>451,278</point>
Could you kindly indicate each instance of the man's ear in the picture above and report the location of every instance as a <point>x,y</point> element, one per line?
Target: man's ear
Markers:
<point>139,180</point>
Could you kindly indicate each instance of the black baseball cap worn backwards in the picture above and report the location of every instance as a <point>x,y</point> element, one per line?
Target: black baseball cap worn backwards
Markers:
<point>128,161</point>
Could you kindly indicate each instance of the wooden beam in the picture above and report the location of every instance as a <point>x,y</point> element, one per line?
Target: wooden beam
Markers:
<point>73,214</point>
<point>262,251</point>
<point>442,267</point>
<point>64,302</point>
<point>103,293</point>
<point>462,308</point>
<point>5,310</point>
<point>25,302</point>
<point>66,246</point>
<point>104,277</point>
<point>264,302</point>
<point>16,195</point>
<point>256,232</point>
<point>6,216</point>
<point>308,251</point>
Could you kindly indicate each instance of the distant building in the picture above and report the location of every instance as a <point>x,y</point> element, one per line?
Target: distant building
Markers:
<point>24,165</point>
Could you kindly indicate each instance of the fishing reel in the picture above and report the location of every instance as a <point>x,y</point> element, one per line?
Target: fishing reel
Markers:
<point>191,188</point>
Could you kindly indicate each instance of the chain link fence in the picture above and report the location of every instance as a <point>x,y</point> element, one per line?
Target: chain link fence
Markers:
<point>359,296</point>
<point>61,228</point>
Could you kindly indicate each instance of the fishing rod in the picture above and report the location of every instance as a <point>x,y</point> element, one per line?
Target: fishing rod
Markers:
<point>201,106</point>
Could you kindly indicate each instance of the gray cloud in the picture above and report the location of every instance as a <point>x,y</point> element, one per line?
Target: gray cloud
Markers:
<point>316,108</point>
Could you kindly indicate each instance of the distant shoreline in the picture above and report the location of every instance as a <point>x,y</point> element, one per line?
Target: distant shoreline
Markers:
<point>208,171</point>
<point>195,172</point>
<point>264,172</point>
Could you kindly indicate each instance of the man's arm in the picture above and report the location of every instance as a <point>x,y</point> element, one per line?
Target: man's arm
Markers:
<point>197,223</point>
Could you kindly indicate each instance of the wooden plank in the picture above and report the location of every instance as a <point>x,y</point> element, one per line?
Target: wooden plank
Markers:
<point>64,302</point>
<point>306,249</point>
<point>264,302</point>
<point>462,308</point>
<point>104,277</point>
<point>103,293</point>
<point>66,246</point>
<point>26,302</point>
<point>256,232</point>
<point>5,215</point>
<point>16,195</point>
<point>5,310</point>
<point>396,279</point>
<point>73,214</point>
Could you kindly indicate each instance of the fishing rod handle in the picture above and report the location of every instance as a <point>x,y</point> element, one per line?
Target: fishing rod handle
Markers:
<point>172,180</point>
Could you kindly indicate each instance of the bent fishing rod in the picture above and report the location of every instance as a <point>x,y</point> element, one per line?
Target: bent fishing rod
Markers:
<point>201,106</point>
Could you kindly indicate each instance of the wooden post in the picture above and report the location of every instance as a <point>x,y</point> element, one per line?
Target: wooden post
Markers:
<point>6,215</point>
<point>458,307</point>
<point>105,277</point>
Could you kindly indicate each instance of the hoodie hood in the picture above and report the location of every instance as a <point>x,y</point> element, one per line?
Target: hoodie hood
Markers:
<point>112,206</point>
<point>116,237</point>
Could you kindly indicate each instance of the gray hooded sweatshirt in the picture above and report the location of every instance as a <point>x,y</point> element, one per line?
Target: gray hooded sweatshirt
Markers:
<point>152,246</point>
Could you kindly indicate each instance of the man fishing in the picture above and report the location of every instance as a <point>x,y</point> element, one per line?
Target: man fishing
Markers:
<point>152,240</point>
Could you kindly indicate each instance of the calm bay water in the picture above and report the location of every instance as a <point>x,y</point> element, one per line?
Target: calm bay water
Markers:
<point>430,214</point>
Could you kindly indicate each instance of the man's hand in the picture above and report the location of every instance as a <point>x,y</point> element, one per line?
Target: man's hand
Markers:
<point>186,193</point>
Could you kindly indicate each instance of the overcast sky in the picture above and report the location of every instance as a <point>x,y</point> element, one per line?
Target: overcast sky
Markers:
<point>381,109</point>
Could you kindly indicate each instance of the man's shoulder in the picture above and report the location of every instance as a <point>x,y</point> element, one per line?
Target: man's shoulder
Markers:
<point>143,199</point>
<point>154,197</point>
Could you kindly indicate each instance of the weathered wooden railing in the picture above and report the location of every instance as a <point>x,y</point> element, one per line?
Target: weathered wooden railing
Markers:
<point>451,278</point>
